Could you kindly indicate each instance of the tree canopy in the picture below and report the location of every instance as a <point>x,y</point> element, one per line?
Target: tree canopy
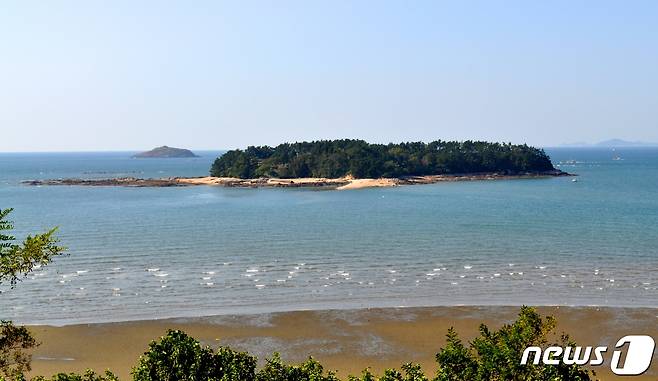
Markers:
<point>357,158</point>
<point>496,355</point>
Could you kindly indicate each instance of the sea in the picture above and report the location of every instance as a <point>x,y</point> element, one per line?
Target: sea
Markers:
<point>152,253</point>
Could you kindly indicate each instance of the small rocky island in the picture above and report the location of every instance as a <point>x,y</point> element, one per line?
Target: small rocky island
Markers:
<point>166,152</point>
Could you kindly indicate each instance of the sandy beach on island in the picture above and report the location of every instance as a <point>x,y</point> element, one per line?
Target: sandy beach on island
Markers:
<point>343,340</point>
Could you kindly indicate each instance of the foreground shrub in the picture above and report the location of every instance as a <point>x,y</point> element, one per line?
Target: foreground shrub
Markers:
<point>14,343</point>
<point>179,357</point>
<point>412,372</point>
<point>311,370</point>
<point>497,355</point>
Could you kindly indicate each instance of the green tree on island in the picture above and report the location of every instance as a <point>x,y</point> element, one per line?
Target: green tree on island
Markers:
<point>16,261</point>
<point>357,158</point>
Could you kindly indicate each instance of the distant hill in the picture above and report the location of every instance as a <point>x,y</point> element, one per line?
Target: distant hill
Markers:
<point>623,143</point>
<point>166,152</point>
<point>612,143</point>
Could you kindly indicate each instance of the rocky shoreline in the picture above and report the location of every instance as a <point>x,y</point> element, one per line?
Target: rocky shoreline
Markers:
<point>337,183</point>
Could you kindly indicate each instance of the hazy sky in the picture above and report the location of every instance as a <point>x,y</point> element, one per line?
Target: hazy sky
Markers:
<point>129,75</point>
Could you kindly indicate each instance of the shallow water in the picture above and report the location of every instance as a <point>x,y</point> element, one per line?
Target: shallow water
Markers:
<point>141,253</point>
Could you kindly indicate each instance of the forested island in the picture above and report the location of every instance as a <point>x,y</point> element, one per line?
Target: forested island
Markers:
<point>352,164</point>
<point>359,159</point>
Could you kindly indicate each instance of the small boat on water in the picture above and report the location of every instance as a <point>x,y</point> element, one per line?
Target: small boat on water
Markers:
<point>574,180</point>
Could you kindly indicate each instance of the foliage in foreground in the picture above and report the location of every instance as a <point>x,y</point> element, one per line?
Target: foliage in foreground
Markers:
<point>179,357</point>
<point>16,261</point>
<point>496,355</point>
<point>14,343</point>
<point>492,356</point>
<point>337,158</point>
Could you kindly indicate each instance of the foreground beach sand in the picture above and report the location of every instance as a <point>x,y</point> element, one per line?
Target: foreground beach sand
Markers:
<point>343,340</point>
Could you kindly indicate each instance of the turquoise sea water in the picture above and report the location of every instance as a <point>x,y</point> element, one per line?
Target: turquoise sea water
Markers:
<point>143,253</point>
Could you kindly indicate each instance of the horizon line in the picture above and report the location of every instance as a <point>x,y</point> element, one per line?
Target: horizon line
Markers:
<point>600,144</point>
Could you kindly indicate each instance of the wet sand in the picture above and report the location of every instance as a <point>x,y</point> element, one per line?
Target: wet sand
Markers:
<point>343,340</point>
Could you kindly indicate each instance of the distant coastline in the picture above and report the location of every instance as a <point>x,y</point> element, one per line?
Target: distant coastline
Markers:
<point>340,183</point>
<point>610,143</point>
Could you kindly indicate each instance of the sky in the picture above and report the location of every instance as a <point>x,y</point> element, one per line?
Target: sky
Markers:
<point>131,75</point>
